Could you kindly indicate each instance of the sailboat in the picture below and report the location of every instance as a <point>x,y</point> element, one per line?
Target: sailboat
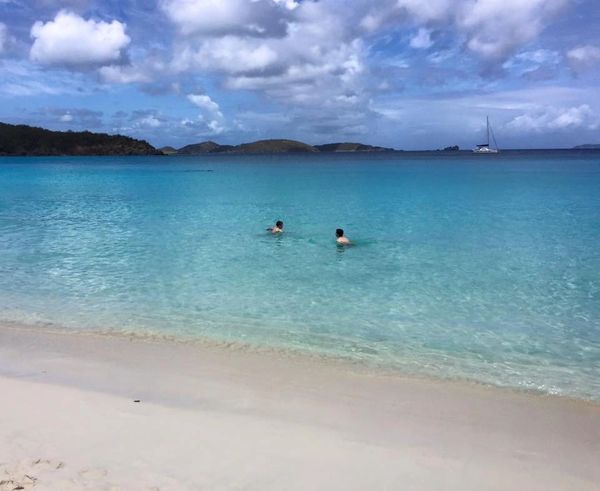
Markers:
<point>485,147</point>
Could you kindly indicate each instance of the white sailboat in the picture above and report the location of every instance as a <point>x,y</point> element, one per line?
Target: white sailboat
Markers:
<point>485,147</point>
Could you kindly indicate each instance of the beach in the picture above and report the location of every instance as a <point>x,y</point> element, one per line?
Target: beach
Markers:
<point>145,346</point>
<point>289,245</point>
<point>233,417</point>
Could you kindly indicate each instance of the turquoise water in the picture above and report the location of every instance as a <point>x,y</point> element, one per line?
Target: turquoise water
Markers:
<point>484,268</point>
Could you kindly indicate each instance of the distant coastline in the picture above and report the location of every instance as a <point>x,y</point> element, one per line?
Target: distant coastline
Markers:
<point>273,146</point>
<point>24,140</point>
<point>588,146</point>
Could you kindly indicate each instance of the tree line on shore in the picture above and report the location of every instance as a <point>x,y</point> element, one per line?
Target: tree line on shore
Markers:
<point>28,140</point>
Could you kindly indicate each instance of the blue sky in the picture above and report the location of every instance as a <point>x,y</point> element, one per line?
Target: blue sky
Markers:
<point>412,74</point>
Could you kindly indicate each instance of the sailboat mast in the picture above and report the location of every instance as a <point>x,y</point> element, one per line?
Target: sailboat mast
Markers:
<point>485,148</point>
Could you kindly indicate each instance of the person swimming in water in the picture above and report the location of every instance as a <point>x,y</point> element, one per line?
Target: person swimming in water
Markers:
<point>340,238</point>
<point>277,229</point>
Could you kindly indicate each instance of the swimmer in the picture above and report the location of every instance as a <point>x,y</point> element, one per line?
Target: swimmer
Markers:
<point>341,238</point>
<point>277,229</point>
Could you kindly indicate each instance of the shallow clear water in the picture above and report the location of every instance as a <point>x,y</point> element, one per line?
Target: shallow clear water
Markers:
<point>485,268</point>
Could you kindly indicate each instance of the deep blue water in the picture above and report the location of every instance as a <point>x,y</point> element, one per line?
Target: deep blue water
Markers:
<point>478,267</point>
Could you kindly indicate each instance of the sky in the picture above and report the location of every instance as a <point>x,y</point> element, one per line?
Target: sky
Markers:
<point>408,74</point>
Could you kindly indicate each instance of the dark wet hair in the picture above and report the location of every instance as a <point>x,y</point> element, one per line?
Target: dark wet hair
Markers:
<point>279,224</point>
<point>339,232</point>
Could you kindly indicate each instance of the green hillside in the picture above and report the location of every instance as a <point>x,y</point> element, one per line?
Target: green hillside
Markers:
<point>29,140</point>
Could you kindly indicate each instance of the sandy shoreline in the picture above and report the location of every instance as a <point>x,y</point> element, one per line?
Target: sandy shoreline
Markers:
<point>219,419</point>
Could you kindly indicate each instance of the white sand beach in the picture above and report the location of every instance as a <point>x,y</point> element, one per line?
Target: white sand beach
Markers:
<point>225,418</point>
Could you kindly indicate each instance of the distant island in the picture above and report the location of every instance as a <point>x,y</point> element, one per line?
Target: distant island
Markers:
<point>28,140</point>
<point>588,146</point>
<point>271,146</point>
<point>24,140</point>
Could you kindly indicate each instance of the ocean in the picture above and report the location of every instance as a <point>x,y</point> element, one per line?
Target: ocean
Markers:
<point>471,267</point>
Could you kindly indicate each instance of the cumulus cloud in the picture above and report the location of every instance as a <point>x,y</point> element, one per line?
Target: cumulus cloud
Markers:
<point>305,53</point>
<point>149,121</point>
<point>205,102</point>
<point>422,39</point>
<point>217,17</point>
<point>322,63</point>
<point>139,122</point>
<point>583,57</point>
<point>556,119</point>
<point>199,127</point>
<point>229,54</point>
<point>390,12</point>
<point>299,52</point>
<point>71,40</point>
<point>210,113</point>
<point>494,29</point>
<point>497,27</point>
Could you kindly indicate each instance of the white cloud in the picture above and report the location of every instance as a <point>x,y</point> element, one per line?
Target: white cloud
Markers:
<point>496,28</point>
<point>309,82</point>
<point>149,121</point>
<point>210,113</point>
<point>66,118</point>
<point>119,74</point>
<point>202,127</point>
<point>71,40</point>
<point>216,127</point>
<point>204,102</point>
<point>432,10</point>
<point>217,17</point>
<point>144,67</point>
<point>314,55</point>
<point>229,54</point>
<point>385,12</point>
<point>551,118</point>
<point>583,57</point>
<point>422,39</point>
<point>308,54</point>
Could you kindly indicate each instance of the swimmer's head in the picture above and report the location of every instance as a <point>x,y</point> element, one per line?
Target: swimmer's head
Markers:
<point>279,224</point>
<point>339,232</point>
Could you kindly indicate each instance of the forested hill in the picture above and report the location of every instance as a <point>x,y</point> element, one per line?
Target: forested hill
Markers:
<point>28,140</point>
<point>272,146</point>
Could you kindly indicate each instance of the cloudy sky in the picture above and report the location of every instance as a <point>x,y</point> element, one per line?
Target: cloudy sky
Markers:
<point>412,74</point>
